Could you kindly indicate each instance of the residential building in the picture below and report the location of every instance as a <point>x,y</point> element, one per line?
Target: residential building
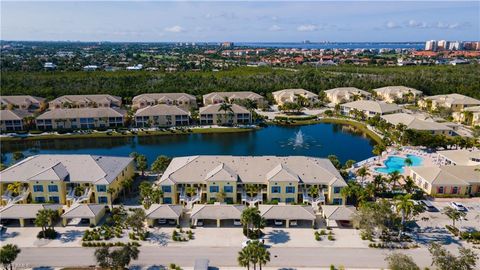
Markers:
<point>418,122</point>
<point>182,100</point>
<point>66,179</point>
<point>455,102</point>
<point>161,115</point>
<point>213,115</point>
<point>85,101</point>
<point>14,120</point>
<point>369,107</point>
<point>459,157</point>
<point>455,46</point>
<point>346,94</point>
<point>81,118</point>
<point>447,180</point>
<point>431,45</point>
<point>443,45</point>
<point>396,94</point>
<point>231,97</point>
<point>256,179</point>
<point>291,95</point>
<point>21,102</point>
<point>469,116</point>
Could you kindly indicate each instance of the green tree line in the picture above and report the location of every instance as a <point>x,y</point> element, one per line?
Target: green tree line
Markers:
<point>431,80</point>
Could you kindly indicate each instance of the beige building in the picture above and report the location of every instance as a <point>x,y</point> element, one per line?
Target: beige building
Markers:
<point>291,95</point>
<point>21,102</point>
<point>14,120</point>
<point>447,180</point>
<point>393,94</point>
<point>182,100</point>
<point>161,115</point>
<point>459,157</point>
<point>213,115</point>
<point>418,122</point>
<point>231,97</point>
<point>346,94</point>
<point>81,118</point>
<point>85,101</point>
<point>66,179</point>
<point>470,115</point>
<point>242,179</point>
<point>369,107</point>
<point>455,102</point>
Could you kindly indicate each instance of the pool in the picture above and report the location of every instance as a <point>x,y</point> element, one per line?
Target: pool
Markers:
<point>396,163</point>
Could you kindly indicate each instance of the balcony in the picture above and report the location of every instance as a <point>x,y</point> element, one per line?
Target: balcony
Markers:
<point>190,200</point>
<point>79,199</point>
<point>314,201</point>
<point>10,199</point>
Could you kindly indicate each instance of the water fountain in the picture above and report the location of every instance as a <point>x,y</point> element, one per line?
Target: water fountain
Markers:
<point>298,142</point>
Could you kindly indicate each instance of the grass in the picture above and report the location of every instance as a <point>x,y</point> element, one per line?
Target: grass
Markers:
<point>126,135</point>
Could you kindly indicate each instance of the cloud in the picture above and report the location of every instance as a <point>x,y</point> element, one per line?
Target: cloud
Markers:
<point>392,25</point>
<point>443,25</point>
<point>275,28</point>
<point>416,24</point>
<point>307,28</point>
<point>175,29</point>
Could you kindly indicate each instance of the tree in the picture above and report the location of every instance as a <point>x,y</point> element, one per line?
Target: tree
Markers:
<point>453,214</point>
<point>252,221</point>
<point>226,108</point>
<point>116,259</point>
<point>142,163</point>
<point>126,185</point>
<point>8,254</point>
<point>136,220</point>
<point>399,261</point>
<point>18,155</point>
<point>378,149</point>
<point>444,260</point>
<point>46,220</point>
<point>363,172</point>
<point>149,194</point>
<point>405,206</point>
<point>334,160</point>
<point>394,177</point>
<point>313,191</point>
<point>252,189</point>
<point>221,195</point>
<point>15,188</point>
<point>160,164</point>
<point>110,192</point>
<point>254,253</point>
<point>408,162</point>
<point>379,183</point>
<point>409,185</point>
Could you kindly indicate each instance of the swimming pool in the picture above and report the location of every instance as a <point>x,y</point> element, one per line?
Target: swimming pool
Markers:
<point>396,163</point>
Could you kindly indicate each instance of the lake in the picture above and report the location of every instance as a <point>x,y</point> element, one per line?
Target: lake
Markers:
<point>319,140</point>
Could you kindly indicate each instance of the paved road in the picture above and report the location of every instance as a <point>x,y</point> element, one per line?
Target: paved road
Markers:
<point>222,256</point>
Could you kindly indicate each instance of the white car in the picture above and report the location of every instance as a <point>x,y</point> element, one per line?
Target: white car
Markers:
<point>199,223</point>
<point>458,206</point>
<point>293,223</point>
<point>236,222</point>
<point>278,222</point>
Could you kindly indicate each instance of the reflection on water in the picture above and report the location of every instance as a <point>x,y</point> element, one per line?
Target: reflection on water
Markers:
<point>322,139</point>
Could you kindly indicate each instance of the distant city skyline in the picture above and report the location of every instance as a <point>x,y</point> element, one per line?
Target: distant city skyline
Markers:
<point>140,21</point>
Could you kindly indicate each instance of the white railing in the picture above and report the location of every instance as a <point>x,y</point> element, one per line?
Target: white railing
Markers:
<point>314,201</point>
<point>189,201</point>
<point>10,199</point>
<point>78,199</point>
<point>252,200</point>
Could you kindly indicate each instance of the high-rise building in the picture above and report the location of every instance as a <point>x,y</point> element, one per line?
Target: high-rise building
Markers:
<point>454,46</point>
<point>431,45</point>
<point>442,45</point>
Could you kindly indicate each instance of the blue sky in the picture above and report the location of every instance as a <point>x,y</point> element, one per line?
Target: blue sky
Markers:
<point>240,21</point>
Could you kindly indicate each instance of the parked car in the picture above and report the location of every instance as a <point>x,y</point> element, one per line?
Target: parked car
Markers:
<point>162,221</point>
<point>172,222</point>
<point>458,206</point>
<point>293,223</point>
<point>278,222</point>
<point>236,222</point>
<point>199,223</point>
<point>428,206</point>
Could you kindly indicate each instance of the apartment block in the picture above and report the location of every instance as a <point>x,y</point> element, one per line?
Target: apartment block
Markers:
<point>161,115</point>
<point>233,115</point>
<point>85,101</point>
<point>231,97</point>
<point>14,120</point>
<point>81,118</point>
<point>182,100</point>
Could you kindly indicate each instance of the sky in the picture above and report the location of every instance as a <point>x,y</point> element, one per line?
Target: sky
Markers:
<point>252,21</point>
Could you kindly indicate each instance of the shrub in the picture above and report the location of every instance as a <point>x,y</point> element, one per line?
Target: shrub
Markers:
<point>47,234</point>
<point>172,266</point>
<point>331,238</point>
<point>318,237</point>
<point>332,267</point>
<point>323,232</point>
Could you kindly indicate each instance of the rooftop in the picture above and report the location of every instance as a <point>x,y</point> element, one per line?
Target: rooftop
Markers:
<point>160,109</point>
<point>372,106</point>
<point>397,89</point>
<point>455,99</point>
<point>161,96</point>
<point>215,109</point>
<point>462,156</point>
<point>82,113</point>
<point>87,98</point>
<point>414,122</point>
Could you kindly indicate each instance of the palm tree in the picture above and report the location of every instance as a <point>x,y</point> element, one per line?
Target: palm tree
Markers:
<point>404,205</point>
<point>45,219</point>
<point>110,192</point>
<point>395,176</point>
<point>221,196</point>
<point>126,185</point>
<point>252,189</point>
<point>313,191</point>
<point>453,214</point>
<point>379,183</point>
<point>408,162</point>
<point>226,108</point>
<point>409,185</point>
<point>243,258</point>
<point>363,172</point>
<point>260,254</point>
<point>8,254</point>
<point>251,220</point>
<point>191,191</point>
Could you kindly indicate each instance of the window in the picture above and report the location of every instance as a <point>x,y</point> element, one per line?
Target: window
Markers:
<point>213,189</point>
<point>229,200</point>
<point>38,188</point>
<point>337,201</point>
<point>102,199</point>
<point>228,189</point>
<point>454,190</point>
<point>276,189</point>
<point>440,190</point>
<point>55,199</point>
<point>40,199</point>
<point>52,188</point>
<point>289,200</point>
<point>101,188</point>
<point>167,200</point>
<point>337,190</point>
<point>167,189</point>
<point>290,189</point>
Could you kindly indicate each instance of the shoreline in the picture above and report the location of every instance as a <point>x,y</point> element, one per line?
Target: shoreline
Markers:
<point>213,130</point>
